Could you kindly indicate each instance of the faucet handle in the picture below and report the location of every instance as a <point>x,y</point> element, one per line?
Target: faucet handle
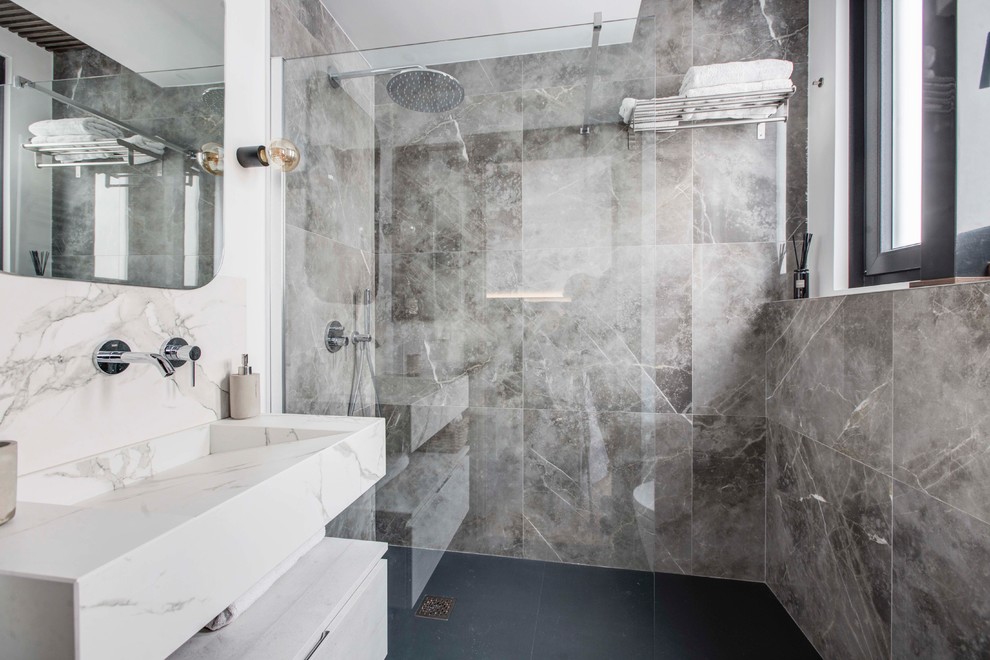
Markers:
<point>178,351</point>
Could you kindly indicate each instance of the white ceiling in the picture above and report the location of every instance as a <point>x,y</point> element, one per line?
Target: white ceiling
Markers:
<point>382,23</point>
<point>145,35</point>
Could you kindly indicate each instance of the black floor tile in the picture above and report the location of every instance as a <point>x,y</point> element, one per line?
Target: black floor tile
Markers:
<point>566,638</point>
<point>712,618</point>
<point>515,608</point>
<point>598,596</point>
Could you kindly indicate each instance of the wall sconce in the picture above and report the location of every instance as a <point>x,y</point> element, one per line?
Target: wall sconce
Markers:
<point>281,153</point>
<point>210,158</point>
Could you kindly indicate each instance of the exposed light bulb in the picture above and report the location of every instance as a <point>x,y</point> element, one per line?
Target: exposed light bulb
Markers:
<point>210,158</point>
<point>284,155</point>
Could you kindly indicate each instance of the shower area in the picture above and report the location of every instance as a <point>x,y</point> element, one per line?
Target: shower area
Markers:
<point>563,316</point>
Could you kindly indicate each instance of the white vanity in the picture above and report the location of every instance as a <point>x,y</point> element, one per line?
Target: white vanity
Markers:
<point>130,553</point>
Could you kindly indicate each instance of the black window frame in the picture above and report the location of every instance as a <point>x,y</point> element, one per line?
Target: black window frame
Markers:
<point>870,165</point>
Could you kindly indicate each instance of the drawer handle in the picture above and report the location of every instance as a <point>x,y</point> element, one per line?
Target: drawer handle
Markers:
<point>326,633</point>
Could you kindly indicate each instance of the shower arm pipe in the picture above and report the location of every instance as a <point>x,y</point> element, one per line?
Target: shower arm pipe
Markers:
<point>592,71</point>
<point>336,76</point>
<point>21,81</point>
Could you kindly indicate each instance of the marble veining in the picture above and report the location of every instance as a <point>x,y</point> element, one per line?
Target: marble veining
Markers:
<point>829,545</point>
<point>829,373</point>
<point>50,389</point>
<point>941,370</point>
<point>941,560</point>
<point>728,496</point>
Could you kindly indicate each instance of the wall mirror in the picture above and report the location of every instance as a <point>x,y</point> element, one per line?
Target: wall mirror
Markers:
<point>111,112</point>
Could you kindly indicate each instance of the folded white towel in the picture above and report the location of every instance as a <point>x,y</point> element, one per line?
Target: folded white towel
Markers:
<point>742,88</point>
<point>748,113</point>
<point>84,157</point>
<point>75,126</point>
<point>735,72</point>
<point>69,139</point>
<point>626,109</point>
<point>147,144</point>
<point>657,125</point>
<point>258,590</point>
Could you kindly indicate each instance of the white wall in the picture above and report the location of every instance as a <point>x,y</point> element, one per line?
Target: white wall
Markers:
<point>973,103</point>
<point>27,190</point>
<point>246,252</point>
<point>828,140</point>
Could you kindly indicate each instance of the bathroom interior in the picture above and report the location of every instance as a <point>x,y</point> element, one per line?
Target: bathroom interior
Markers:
<point>645,329</point>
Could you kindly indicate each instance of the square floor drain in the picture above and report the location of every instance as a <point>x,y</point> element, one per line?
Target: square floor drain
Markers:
<point>435,607</point>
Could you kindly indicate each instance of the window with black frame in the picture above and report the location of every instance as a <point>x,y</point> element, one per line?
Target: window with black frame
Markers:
<point>903,143</point>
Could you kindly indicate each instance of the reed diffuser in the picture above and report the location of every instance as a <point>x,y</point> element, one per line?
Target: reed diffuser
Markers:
<point>40,260</point>
<point>802,278</point>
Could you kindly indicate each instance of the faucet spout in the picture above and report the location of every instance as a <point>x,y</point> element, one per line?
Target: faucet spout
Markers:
<point>165,367</point>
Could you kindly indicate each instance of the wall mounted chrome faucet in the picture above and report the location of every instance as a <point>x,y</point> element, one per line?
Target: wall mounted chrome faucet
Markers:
<point>114,356</point>
<point>178,351</point>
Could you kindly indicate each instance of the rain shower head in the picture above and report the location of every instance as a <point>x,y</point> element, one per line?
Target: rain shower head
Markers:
<point>213,99</point>
<point>414,87</point>
<point>425,90</point>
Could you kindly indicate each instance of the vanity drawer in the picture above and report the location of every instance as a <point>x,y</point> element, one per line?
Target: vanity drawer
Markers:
<point>360,631</point>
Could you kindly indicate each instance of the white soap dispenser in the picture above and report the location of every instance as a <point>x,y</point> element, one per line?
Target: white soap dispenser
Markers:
<point>245,392</point>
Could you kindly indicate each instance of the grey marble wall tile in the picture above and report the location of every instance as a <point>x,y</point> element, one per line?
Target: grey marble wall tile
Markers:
<point>448,309</point>
<point>494,523</point>
<point>941,560</point>
<point>459,197</point>
<point>580,471</point>
<point>585,192</point>
<point>729,497</point>
<point>476,115</point>
<point>622,61</point>
<point>675,188</point>
<point>323,278</point>
<point>735,186</point>
<point>672,495</point>
<point>732,30</point>
<point>562,106</point>
<point>731,283</point>
<point>356,521</point>
<point>332,193</point>
<point>829,545</point>
<point>592,349</point>
<point>672,358</point>
<point>941,371</point>
<point>829,371</point>
<point>301,28</point>
<point>501,74</point>
<point>673,24</point>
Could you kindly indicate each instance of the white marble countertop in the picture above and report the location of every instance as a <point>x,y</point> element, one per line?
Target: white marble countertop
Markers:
<point>139,552</point>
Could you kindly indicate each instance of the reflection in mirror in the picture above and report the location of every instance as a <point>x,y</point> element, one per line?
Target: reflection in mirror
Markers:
<point>103,177</point>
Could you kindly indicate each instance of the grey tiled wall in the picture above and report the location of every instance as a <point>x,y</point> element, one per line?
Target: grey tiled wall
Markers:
<point>666,252</point>
<point>877,488</point>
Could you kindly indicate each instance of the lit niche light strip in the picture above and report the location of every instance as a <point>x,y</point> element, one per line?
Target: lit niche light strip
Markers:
<point>530,296</point>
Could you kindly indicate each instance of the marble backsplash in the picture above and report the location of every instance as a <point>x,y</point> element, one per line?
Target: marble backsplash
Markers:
<point>55,403</point>
<point>878,503</point>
